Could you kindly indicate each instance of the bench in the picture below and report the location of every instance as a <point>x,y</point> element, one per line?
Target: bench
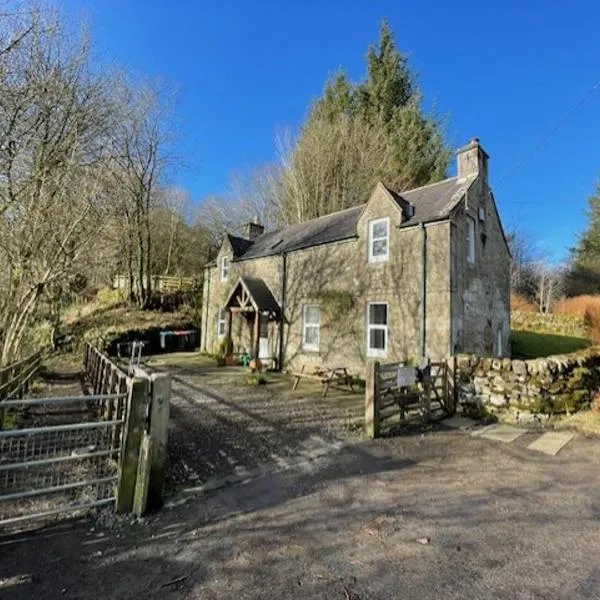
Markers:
<point>336,375</point>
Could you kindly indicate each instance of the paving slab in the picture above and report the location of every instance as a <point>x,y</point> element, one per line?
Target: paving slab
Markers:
<point>503,433</point>
<point>551,442</point>
<point>459,422</point>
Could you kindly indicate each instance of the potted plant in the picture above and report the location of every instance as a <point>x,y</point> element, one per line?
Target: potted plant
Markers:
<point>225,352</point>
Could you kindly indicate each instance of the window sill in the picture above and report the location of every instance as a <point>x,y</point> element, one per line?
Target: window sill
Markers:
<point>378,261</point>
<point>377,354</point>
<point>310,350</point>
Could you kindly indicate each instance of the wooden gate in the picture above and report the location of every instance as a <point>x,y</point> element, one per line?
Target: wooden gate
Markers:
<point>392,399</point>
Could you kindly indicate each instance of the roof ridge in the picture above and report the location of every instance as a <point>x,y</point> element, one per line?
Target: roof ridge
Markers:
<point>427,185</point>
<point>299,223</point>
<point>337,212</point>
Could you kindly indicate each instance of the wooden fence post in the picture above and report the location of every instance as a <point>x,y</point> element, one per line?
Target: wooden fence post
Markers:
<point>86,350</point>
<point>142,480</point>
<point>159,425</point>
<point>453,384</point>
<point>135,423</point>
<point>427,400</point>
<point>372,401</point>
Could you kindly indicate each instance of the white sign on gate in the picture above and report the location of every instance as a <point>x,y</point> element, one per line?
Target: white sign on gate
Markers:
<point>406,376</point>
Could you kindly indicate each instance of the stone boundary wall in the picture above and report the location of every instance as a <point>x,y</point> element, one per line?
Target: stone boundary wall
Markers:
<point>543,386</point>
<point>551,323</point>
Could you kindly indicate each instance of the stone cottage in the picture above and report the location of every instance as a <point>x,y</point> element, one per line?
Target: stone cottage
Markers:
<point>423,272</point>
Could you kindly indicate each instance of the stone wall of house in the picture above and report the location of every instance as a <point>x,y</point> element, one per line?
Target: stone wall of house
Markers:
<point>544,386</point>
<point>559,324</point>
<point>481,290</point>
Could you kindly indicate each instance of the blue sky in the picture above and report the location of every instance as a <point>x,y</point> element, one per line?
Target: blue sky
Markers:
<point>509,72</point>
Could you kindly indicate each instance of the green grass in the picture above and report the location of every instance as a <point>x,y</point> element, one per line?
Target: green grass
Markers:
<point>530,344</point>
<point>588,422</point>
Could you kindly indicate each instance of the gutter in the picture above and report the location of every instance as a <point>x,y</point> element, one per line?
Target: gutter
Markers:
<point>423,329</point>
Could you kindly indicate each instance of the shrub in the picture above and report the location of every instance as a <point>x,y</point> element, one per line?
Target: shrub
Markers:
<point>256,379</point>
<point>521,304</point>
<point>108,296</point>
<point>576,306</point>
<point>225,346</point>
<point>591,319</point>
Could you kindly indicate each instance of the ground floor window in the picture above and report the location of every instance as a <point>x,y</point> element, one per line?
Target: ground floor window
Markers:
<point>221,322</point>
<point>377,329</point>
<point>311,327</point>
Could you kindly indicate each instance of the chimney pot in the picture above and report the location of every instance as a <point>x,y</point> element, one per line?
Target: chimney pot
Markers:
<point>253,229</point>
<point>472,160</point>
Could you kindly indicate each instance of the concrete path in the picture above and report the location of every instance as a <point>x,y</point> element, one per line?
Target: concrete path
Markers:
<point>549,443</point>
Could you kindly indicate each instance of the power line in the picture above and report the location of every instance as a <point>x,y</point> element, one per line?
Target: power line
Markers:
<point>549,133</point>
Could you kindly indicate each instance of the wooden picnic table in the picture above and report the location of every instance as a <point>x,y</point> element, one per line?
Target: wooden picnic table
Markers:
<point>326,376</point>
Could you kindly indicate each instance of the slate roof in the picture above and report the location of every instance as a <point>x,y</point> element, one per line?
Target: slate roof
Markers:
<point>239,245</point>
<point>330,228</point>
<point>259,292</point>
<point>433,202</point>
<point>428,203</point>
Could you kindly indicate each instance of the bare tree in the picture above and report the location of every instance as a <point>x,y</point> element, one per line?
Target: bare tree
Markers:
<point>549,286</point>
<point>332,165</point>
<point>53,119</point>
<point>138,161</point>
<point>524,256</point>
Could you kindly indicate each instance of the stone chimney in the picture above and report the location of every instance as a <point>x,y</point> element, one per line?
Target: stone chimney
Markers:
<point>472,160</point>
<point>253,229</point>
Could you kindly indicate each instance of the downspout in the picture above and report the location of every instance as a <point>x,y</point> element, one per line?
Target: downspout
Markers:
<point>423,336</point>
<point>207,278</point>
<point>453,291</point>
<point>282,305</point>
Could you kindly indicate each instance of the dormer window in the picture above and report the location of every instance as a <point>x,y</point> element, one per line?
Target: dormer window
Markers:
<point>224,268</point>
<point>379,240</point>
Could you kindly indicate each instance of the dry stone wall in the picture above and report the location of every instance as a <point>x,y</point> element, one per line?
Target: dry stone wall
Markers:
<point>559,324</point>
<point>530,389</point>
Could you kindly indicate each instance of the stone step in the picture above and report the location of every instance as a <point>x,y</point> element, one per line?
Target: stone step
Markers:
<point>502,433</point>
<point>551,442</point>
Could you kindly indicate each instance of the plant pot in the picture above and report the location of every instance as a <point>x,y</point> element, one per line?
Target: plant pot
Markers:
<point>255,365</point>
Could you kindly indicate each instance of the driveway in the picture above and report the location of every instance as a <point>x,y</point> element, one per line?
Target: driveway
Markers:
<point>223,429</point>
<point>439,515</point>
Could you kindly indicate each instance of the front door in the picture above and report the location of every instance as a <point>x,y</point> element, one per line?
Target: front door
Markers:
<point>263,340</point>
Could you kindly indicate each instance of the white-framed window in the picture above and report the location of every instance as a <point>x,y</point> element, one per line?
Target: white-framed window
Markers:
<point>379,240</point>
<point>224,268</point>
<point>311,327</point>
<point>221,322</point>
<point>470,239</point>
<point>377,329</point>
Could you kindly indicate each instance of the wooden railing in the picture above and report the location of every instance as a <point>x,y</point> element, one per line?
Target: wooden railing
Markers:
<point>161,283</point>
<point>388,405</point>
<point>144,460</point>
<point>16,377</point>
<point>102,375</point>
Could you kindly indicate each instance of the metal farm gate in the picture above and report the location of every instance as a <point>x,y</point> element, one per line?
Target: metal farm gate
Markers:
<point>62,455</point>
<point>68,455</point>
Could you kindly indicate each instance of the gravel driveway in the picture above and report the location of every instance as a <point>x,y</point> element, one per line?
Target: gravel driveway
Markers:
<point>219,426</point>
